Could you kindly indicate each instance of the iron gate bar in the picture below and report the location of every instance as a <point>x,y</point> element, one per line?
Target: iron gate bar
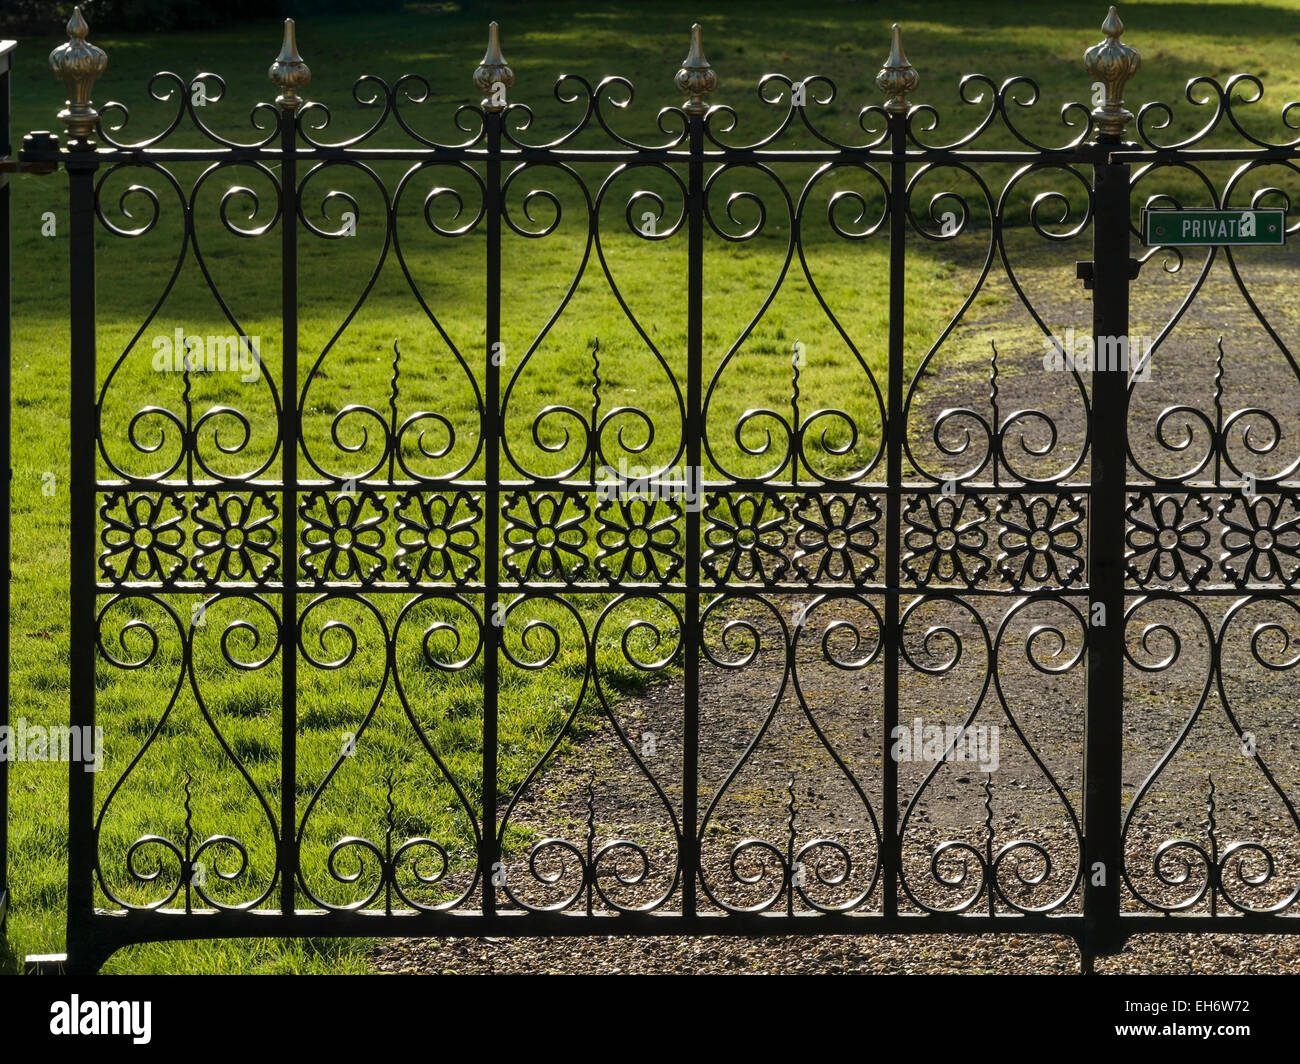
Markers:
<point>287,73</point>
<point>697,79</point>
<point>896,80</point>
<point>492,435</point>
<point>1101,927</point>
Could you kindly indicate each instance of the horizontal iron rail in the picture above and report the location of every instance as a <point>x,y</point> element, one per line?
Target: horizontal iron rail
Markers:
<point>307,153</point>
<point>1259,486</point>
<point>156,924</point>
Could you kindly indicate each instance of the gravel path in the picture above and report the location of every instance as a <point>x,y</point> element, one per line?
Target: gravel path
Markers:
<point>837,954</point>
<point>1209,793</point>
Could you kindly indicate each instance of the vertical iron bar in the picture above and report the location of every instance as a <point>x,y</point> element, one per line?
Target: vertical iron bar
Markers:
<point>492,511</point>
<point>894,427</point>
<point>289,430</point>
<point>6,149</point>
<point>695,477</point>
<point>1103,747</point>
<point>81,166</point>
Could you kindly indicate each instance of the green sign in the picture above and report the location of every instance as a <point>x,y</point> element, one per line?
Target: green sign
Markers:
<point>1169,226</point>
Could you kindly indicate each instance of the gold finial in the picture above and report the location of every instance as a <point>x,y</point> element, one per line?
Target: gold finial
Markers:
<point>897,77</point>
<point>696,78</point>
<point>289,73</point>
<point>493,77</point>
<point>1112,63</point>
<point>78,63</point>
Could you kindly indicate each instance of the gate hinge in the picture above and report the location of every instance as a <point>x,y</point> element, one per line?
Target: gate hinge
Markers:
<point>1083,271</point>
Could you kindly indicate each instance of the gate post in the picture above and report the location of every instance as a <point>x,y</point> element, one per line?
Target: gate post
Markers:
<point>6,148</point>
<point>78,64</point>
<point>1111,64</point>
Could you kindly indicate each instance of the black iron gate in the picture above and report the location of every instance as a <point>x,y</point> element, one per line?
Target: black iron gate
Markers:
<point>869,568</point>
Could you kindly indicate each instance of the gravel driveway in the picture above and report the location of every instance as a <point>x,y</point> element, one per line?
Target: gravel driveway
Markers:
<point>1208,793</point>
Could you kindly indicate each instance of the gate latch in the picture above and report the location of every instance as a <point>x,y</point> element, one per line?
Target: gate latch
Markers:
<point>1083,271</point>
<point>22,166</point>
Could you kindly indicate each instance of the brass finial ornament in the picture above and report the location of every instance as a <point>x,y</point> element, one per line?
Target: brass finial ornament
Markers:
<point>289,73</point>
<point>696,78</point>
<point>1112,63</point>
<point>78,63</point>
<point>897,78</point>
<point>493,77</point>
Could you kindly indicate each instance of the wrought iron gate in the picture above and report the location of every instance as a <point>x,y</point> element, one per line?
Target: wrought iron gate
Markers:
<point>867,571</point>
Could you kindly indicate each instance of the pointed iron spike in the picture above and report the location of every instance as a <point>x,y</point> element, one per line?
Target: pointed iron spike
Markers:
<point>596,382</point>
<point>189,808</point>
<point>695,55</point>
<point>289,73</point>
<point>897,78</point>
<point>78,63</point>
<point>896,56</point>
<point>696,78</point>
<point>394,388</point>
<point>493,54</point>
<point>1212,824</point>
<point>493,76</point>
<point>289,46</point>
<point>1112,63</point>
<point>77,27</point>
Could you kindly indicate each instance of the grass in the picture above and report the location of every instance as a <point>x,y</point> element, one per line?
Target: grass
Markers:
<point>550,366</point>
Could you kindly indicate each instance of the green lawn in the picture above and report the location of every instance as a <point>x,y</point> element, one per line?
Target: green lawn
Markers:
<point>645,43</point>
